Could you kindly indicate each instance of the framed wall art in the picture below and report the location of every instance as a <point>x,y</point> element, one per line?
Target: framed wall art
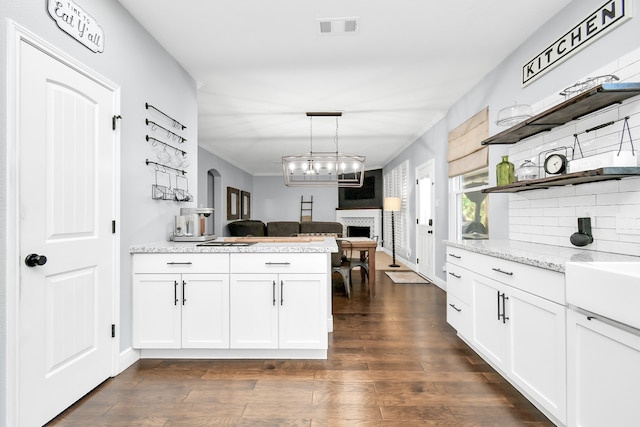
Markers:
<point>233,203</point>
<point>245,205</point>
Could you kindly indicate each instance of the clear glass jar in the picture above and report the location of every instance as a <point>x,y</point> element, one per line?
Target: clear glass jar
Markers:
<point>527,170</point>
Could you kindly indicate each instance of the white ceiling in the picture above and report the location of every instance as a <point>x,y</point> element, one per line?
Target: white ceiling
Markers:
<point>262,64</point>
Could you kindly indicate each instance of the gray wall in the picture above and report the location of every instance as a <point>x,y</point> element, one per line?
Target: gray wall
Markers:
<point>276,202</point>
<point>229,176</point>
<point>145,73</point>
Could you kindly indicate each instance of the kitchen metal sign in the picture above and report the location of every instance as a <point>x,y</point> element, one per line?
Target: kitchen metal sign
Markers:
<point>608,17</point>
<point>73,20</point>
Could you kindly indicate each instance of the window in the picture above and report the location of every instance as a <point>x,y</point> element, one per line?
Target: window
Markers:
<point>470,207</point>
<point>396,185</point>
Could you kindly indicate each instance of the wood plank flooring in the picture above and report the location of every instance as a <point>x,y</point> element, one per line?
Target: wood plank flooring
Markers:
<point>393,361</point>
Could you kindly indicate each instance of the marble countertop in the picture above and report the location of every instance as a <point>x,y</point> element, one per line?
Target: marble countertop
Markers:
<point>326,246</point>
<point>543,256</point>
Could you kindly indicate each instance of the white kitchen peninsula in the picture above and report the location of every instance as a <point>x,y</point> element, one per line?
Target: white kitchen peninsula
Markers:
<point>259,300</point>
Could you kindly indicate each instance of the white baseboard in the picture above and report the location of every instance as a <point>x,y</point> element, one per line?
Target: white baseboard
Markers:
<point>127,358</point>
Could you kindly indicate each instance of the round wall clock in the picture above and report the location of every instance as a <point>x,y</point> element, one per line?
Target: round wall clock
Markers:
<point>555,164</point>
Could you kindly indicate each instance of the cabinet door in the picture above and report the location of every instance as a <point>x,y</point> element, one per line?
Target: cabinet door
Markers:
<point>537,343</point>
<point>603,374</point>
<point>205,310</point>
<point>490,331</point>
<point>302,304</point>
<point>156,311</point>
<point>254,300</point>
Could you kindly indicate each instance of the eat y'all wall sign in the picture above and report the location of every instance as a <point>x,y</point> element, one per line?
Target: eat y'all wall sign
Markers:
<point>73,20</point>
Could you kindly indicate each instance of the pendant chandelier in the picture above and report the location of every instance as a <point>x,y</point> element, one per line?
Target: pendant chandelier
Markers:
<point>323,169</point>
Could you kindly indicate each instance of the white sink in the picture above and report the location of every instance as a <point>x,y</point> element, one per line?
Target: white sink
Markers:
<point>610,289</point>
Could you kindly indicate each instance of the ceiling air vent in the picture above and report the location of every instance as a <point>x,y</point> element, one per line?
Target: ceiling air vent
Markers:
<point>338,25</point>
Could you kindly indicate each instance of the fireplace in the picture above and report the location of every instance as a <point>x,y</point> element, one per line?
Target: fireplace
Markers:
<point>358,231</point>
<point>363,222</point>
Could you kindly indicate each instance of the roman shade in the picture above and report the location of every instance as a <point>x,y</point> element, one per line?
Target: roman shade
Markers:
<point>466,152</point>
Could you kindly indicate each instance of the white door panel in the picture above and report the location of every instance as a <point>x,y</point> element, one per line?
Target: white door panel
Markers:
<point>426,216</point>
<point>66,202</point>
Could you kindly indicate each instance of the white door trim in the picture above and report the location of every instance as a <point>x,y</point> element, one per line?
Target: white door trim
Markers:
<point>16,35</point>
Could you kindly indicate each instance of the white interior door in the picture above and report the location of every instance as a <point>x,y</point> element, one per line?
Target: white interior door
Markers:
<point>426,216</point>
<point>66,204</point>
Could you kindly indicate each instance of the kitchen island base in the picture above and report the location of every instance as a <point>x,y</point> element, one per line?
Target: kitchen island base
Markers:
<point>265,301</point>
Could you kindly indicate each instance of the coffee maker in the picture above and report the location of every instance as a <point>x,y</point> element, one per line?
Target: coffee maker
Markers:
<point>189,226</point>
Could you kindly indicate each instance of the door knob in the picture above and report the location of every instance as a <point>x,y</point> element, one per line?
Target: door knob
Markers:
<point>34,260</point>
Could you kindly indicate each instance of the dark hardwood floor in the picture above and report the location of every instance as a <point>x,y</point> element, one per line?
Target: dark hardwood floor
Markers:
<point>393,361</point>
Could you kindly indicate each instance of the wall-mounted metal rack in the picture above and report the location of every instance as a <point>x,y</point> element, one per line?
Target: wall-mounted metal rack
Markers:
<point>176,123</point>
<point>149,162</point>
<point>157,141</point>
<point>170,134</point>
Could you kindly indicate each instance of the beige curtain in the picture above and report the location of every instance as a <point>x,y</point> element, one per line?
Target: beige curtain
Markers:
<point>466,154</point>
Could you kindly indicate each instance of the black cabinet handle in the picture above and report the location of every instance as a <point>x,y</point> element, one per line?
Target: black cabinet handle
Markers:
<point>502,296</point>
<point>180,263</point>
<point>184,295</point>
<point>455,308</point>
<point>175,292</point>
<point>455,275</point>
<point>281,292</point>
<point>277,263</point>
<point>590,318</point>
<point>455,256</point>
<point>508,273</point>
<point>274,293</point>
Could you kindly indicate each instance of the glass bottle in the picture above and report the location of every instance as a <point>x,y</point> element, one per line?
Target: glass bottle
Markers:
<point>505,172</point>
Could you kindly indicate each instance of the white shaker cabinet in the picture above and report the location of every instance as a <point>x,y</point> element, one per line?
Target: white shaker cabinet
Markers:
<point>517,323</point>
<point>178,302</point>
<point>603,372</point>
<point>523,335</point>
<point>281,304</point>
<point>277,311</point>
<point>459,293</point>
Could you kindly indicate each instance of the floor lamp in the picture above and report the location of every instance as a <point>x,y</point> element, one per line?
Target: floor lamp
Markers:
<point>393,204</point>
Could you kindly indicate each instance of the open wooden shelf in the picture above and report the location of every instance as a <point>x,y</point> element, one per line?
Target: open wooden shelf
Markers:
<point>587,102</point>
<point>601,174</point>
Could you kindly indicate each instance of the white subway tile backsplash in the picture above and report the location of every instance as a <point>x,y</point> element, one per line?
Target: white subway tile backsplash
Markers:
<point>628,198</point>
<point>597,188</point>
<point>587,200</point>
<point>545,220</point>
<point>608,210</point>
<point>545,203</point>
<point>518,204</point>
<point>619,247</point>
<point>629,184</point>
<point>630,238</point>
<point>604,222</point>
<point>520,220</point>
<point>565,211</point>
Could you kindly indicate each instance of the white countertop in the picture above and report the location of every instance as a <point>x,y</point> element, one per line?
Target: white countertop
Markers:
<point>326,246</point>
<point>543,256</point>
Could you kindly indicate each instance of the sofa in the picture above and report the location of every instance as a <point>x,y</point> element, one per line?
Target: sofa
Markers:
<point>251,227</point>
